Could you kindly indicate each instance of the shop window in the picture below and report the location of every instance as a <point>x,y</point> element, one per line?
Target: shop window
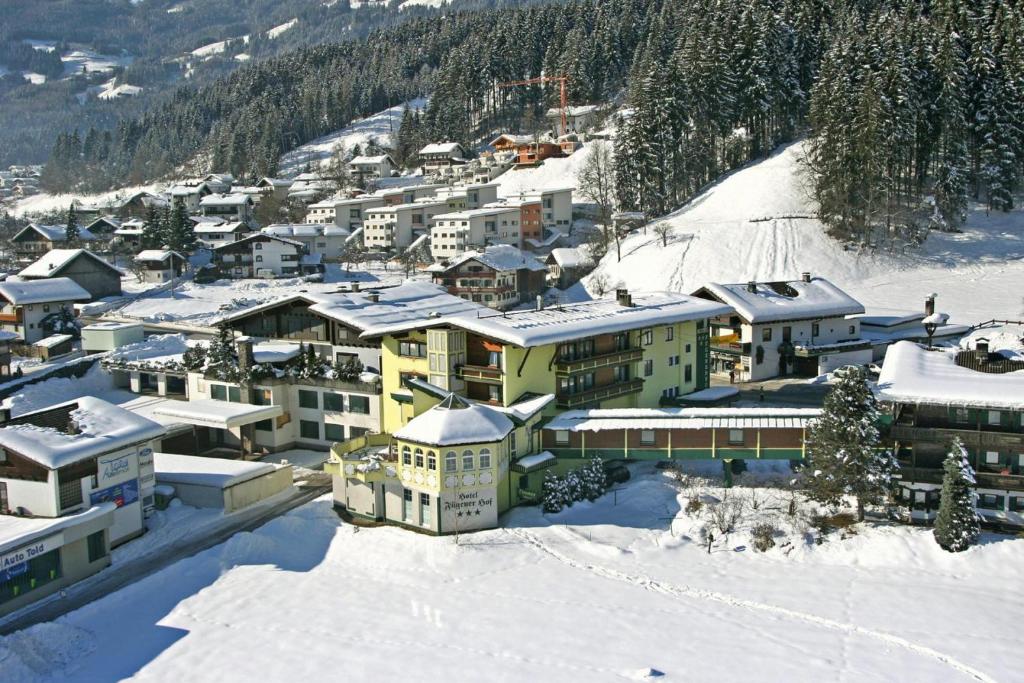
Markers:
<point>647,437</point>
<point>309,399</point>
<point>308,429</point>
<point>97,546</point>
<point>333,432</point>
<point>334,402</point>
<point>485,459</point>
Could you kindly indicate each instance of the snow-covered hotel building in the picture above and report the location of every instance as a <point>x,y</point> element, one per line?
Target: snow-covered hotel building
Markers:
<point>976,394</point>
<point>794,327</point>
<point>75,479</point>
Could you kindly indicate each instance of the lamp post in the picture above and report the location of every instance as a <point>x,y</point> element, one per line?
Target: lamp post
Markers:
<point>929,329</point>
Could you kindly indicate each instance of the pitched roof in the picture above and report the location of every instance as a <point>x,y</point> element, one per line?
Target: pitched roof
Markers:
<point>157,255</point>
<point>378,159</point>
<point>204,227</point>
<point>498,257</point>
<point>441,148</point>
<point>570,257</point>
<point>54,261</point>
<point>236,199</point>
<point>455,421</point>
<point>787,300</point>
<point>261,237</point>
<point>55,233</point>
<point>43,291</point>
<point>412,304</point>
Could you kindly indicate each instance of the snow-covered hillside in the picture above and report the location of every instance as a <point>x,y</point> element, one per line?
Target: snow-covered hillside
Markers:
<point>617,590</point>
<point>380,127</point>
<point>752,225</point>
<point>553,173</point>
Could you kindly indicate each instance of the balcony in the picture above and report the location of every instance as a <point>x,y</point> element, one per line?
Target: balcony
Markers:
<point>479,373</point>
<point>985,480</point>
<point>602,393</point>
<point>970,436</point>
<point>603,360</point>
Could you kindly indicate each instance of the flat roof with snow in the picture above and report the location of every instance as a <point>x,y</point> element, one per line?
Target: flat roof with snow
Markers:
<point>199,471</point>
<point>785,300</point>
<point>217,414</point>
<point>682,418</point>
<point>17,532</point>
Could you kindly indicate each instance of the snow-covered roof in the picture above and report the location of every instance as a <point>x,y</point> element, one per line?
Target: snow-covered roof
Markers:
<point>789,300</point>
<point>570,257</point>
<point>426,202</point>
<point>441,148</point>
<point>514,138</point>
<point>456,421</point>
<point>153,349</point>
<point>411,304</point>
<point>208,227</point>
<point>157,255</point>
<point>379,159</point>
<point>275,352</point>
<point>233,199</point>
<point>101,427</point>
<point>495,209</point>
<point>43,291</point>
<point>913,374</point>
<point>18,532</point>
<point>56,233</point>
<point>53,340</point>
<point>682,418</point>
<point>55,260</point>
<point>532,462</point>
<point>574,110</point>
<point>259,236</point>
<point>219,414</point>
<point>198,471</point>
<point>562,323</point>
<point>499,257</point>
<point>304,230</point>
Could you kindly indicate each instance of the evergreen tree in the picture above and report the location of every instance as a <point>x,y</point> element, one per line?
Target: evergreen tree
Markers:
<point>844,453</point>
<point>221,354</point>
<point>956,524</point>
<point>152,230</point>
<point>179,233</point>
<point>554,493</point>
<point>71,232</point>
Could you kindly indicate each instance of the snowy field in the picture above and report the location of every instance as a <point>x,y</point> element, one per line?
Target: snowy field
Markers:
<point>723,236</point>
<point>620,589</point>
<point>380,127</point>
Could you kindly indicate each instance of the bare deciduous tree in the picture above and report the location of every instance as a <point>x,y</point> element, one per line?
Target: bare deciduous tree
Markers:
<point>663,229</point>
<point>596,182</point>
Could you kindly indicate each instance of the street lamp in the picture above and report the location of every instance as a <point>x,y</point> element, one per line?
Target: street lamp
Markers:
<point>929,329</point>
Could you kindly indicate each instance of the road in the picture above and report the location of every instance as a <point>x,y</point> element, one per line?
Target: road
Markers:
<point>119,576</point>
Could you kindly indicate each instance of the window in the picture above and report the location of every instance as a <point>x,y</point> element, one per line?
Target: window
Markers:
<point>485,459</point>
<point>736,436</point>
<point>309,429</point>
<point>413,349</point>
<point>673,361</point>
<point>431,460</point>
<point>1017,503</point>
<point>815,329</point>
<point>70,493</point>
<point>262,397</point>
<point>512,449</point>
<point>688,348</point>
<point>334,402</point>
<point>407,504</point>
<point>670,333</point>
<point>425,509</point>
<point>961,415</point>
<point>621,373</point>
<point>494,359</point>
<point>467,461</point>
<point>308,399</point>
<point>218,392</point>
<point>356,432</point>
<point>259,258</point>
<point>852,330</point>
<point>258,246</point>
<point>990,501</point>
<point>333,432</point>
<point>766,334</point>
<point>235,394</point>
<point>97,546</point>
<point>264,425</point>
<point>494,393</point>
<point>647,437</point>
<point>647,337</point>
<point>406,456</point>
<point>418,457</point>
<point>359,404</point>
<point>688,373</point>
<point>991,457</point>
<point>994,417</point>
<point>648,368</point>
<point>451,461</point>
<point>5,503</point>
<point>561,437</point>
<point>671,392</point>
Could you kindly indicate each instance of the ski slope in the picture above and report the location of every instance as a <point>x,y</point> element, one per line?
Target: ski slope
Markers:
<point>616,590</point>
<point>750,226</point>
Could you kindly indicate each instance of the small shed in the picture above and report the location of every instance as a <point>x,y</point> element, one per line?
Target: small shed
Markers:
<point>219,483</point>
<point>107,336</point>
<point>53,346</point>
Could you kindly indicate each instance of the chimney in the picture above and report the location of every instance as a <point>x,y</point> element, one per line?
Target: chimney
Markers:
<point>540,302</point>
<point>752,287</point>
<point>243,345</point>
<point>373,297</point>
<point>805,276</point>
<point>981,350</point>
<point>355,286</point>
<point>623,297</point>
<point>929,305</point>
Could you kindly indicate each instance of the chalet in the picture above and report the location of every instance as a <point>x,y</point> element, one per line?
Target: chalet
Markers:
<point>160,265</point>
<point>216,233</point>
<point>363,168</point>
<point>80,476</point>
<point>309,187</point>
<point>975,393</point>
<point>104,228</point>
<point>34,240</point>
<point>134,205</point>
<point>534,153</point>
<point>130,233</point>
<point>230,207</point>
<point>510,142</point>
<point>219,182</point>
<point>441,155</point>
<point>34,309</point>
<point>88,270</point>
<point>275,187</point>
<point>388,228</point>
<point>500,276</point>
<point>260,255</point>
<point>190,193</point>
<point>326,241</point>
<point>455,233</point>
<point>782,328</point>
<point>566,265</point>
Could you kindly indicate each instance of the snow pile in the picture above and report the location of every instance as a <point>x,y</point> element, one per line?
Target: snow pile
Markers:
<point>159,348</point>
<point>278,30</point>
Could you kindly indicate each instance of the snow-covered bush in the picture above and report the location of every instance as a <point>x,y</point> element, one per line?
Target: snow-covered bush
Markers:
<point>726,514</point>
<point>763,535</point>
<point>586,483</point>
<point>554,493</point>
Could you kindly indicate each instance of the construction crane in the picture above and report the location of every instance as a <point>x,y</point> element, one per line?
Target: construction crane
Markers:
<point>563,98</point>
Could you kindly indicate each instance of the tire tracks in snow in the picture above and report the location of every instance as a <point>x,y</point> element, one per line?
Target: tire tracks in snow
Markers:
<point>683,591</point>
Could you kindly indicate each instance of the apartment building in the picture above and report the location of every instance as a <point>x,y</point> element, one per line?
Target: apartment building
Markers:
<point>394,227</point>
<point>455,233</point>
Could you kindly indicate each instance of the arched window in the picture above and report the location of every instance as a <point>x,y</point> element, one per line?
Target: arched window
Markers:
<point>406,456</point>
<point>419,457</point>
<point>467,461</point>
<point>451,461</point>
<point>485,459</point>
<point>431,460</point>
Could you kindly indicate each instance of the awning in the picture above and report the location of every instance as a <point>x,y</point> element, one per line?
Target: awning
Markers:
<point>218,414</point>
<point>533,463</point>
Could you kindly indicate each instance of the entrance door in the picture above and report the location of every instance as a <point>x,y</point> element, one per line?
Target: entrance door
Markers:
<point>5,507</point>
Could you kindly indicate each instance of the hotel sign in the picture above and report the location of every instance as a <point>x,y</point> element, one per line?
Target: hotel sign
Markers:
<point>469,510</point>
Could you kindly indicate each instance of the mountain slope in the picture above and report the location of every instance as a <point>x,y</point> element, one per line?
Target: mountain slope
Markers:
<point>757,223</point>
